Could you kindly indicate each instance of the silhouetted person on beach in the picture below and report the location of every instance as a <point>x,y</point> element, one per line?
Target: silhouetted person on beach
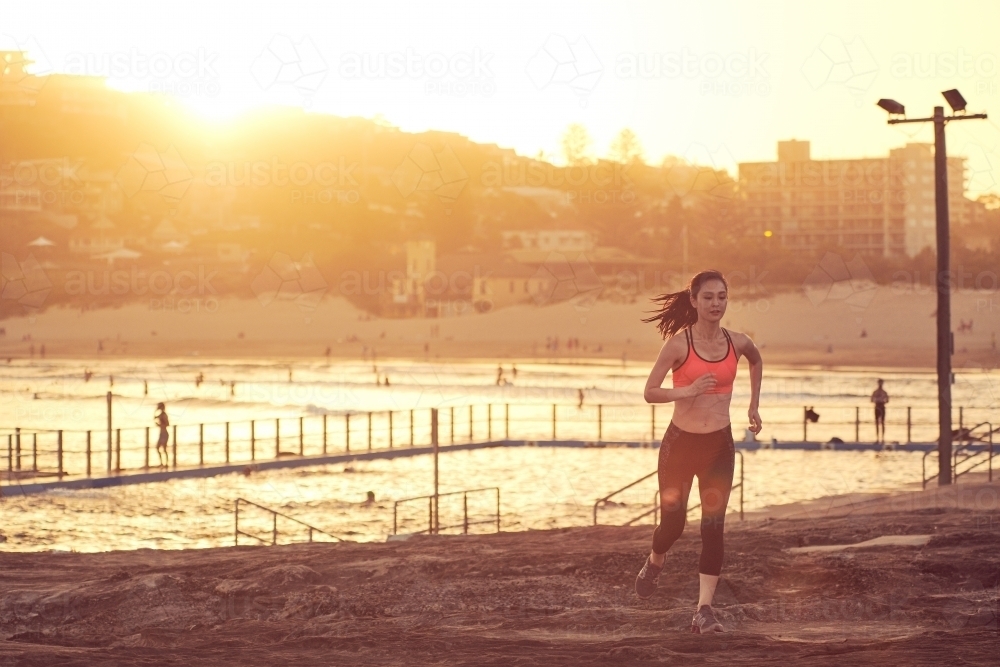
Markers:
<point>499,375</point>
<point>162,421</point>
<point>579,398</point>
<point>880,397</point>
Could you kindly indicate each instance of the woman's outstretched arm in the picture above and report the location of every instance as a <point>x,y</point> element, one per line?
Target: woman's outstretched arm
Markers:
<point>750,351</point>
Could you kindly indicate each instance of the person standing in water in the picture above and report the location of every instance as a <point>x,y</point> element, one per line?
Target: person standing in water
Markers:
<point>699,439</point>
<point>880,397</point>
<point>162,421</point>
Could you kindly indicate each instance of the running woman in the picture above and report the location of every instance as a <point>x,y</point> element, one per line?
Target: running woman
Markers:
<point>699,439</point>
<point>880,397</point>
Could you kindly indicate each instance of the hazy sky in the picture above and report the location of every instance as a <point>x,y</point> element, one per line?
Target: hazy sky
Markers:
<point>715,82</point>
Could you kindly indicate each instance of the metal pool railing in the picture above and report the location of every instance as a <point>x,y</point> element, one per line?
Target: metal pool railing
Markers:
<point>35,453</point>
<point>434,526</point>
<point>274,525</point>
<point>970,447</point>
<point>602,503</point>
<point>48,452</point>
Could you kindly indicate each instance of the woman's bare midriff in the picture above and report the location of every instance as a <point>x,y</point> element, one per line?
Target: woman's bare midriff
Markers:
<point>702,414</point>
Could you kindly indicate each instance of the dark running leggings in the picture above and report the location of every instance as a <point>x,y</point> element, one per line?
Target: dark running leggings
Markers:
<point>710,456</point>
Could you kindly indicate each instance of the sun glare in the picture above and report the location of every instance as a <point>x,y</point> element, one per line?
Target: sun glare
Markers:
<point>217,109</point>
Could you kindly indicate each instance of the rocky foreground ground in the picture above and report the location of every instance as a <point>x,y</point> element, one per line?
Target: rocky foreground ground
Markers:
<point>557,597</point>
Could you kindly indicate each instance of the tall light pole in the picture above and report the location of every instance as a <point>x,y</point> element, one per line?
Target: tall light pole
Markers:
<point>945,337</point>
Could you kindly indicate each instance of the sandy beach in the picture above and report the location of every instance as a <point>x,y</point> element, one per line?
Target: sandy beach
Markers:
<point>791,328</point>
<point>538,597</point>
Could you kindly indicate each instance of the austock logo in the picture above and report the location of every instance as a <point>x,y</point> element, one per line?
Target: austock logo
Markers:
<point>424,170</point>
<point>459,73</point>
<point>833,279</point>
<point>600,183</point>
<point>287,280</point>
<point>944,65</point>
<point>567,279</point>
<point>180,74</point>
<point>703,170</point>
<point>572,64</point>
<point>24,282</point>
<point>148,170</point>
<point>61,175</point>
<point>982,163</point>
<point>284,62</point>
<point>839,63</point>
<point>733,73</point>
<point>22,55</point>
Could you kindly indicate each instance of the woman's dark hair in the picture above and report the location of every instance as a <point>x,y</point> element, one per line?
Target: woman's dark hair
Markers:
<point>675,310</point>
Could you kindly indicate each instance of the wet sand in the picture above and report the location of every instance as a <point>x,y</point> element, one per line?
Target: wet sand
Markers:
<point>555,597</point>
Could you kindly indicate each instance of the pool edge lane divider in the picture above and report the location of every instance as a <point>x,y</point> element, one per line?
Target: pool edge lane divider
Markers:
<point>143,477</point>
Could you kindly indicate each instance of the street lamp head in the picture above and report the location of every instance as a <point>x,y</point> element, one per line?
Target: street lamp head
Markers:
<point>955,99</point>
<point>892,106</point>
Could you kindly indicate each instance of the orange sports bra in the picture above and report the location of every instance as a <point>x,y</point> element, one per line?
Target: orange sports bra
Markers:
<point>694,366</point>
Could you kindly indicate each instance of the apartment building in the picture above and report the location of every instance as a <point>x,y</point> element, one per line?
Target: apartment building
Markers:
<point>875,206</point>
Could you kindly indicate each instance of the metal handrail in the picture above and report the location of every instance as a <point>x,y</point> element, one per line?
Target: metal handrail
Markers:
<point>606,498</point>
<point>656,497</point>
<point>653,510</point>
<point>540,419</point>
<point>969,441</point>
<point>274,530</point>
<point>989,459</point>
<point>923,468</point>
<point>215,442</point>
<point>433,520</point>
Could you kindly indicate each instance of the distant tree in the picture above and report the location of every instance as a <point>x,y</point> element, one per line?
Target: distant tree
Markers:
<point>626,149</point>
<point>576,144</point>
